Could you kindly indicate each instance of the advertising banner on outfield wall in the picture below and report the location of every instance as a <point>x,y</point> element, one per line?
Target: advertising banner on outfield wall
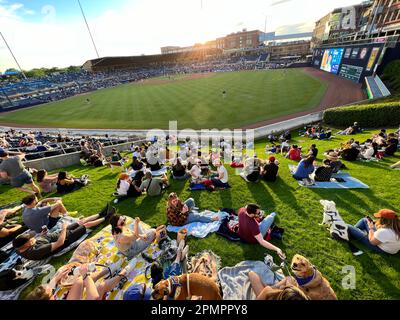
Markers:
<point>350,62</point>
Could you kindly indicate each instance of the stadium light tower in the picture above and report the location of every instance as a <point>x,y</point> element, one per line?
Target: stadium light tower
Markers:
<point>90,33</point>
<point>15,59</point>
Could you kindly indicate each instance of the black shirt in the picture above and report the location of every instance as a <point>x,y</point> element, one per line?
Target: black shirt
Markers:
<point>270,172</point>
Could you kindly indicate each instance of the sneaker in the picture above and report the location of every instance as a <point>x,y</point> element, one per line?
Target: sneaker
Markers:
<point>358,253</point>
<point>115,201</point>
<point>115,267</point>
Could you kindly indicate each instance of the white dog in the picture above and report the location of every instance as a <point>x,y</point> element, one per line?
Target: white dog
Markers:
<point>331,218</point>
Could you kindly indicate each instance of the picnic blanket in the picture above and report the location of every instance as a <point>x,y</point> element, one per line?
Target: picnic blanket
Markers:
<point>107,253</point>
<point>199,229</point>
<point>235,282</point>
<point>350,182</point>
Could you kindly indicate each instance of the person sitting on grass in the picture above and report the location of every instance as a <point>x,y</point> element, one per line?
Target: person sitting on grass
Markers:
<point>221,180</point>
<point>116,159</point>
<point>324,173</point>
<point>280,291</point>
<point>38,214</point>
<point>195,172</point>
<point>305,168</point>
<point>154,186</point>
<point>181,213</point>
<point>294,153</point>
<point>179,170</point>
<point>352,153</point>
<point>252,169</point>
<point>380,236</point>
<point>67,183</point>
<point>313,151</point>
<point>153,161</point>
<point>131,242</point>
<point>47,182</point>
<point>127,188</point>
<point>9,231</point>
<point>49,243</point>
<point>12,168</point>
<point>253,232</point>
<point>269,172</point>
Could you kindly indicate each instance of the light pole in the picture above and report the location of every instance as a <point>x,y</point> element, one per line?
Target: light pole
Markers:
<point>15,59</point>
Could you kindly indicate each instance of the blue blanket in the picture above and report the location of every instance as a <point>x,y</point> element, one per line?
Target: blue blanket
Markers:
<point>350,182</point>
<point>202,230</point>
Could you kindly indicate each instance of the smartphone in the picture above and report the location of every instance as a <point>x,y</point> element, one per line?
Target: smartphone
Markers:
<point>369,219</point>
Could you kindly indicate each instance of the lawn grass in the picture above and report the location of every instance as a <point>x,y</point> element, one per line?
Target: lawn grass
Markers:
<point>252,96</point>
<point>298,209</point>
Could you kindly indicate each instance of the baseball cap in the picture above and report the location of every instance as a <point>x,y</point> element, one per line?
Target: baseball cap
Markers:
<point>272,159</point>
<point>386,214</point>
<point>22,239</point>
<point>138,292</point>
<point>3,152</point>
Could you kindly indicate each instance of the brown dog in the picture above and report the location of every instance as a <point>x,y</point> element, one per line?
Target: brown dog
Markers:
<point>177,288</point>
<point>310,280</point>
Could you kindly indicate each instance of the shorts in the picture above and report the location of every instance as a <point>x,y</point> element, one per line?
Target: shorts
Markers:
<point>24,178</point>
<point>52,222</point>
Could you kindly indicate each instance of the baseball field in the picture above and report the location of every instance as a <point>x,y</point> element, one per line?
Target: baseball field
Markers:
<point>195,101</point>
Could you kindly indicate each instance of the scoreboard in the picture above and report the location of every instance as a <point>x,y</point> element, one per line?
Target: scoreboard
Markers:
<point>350,72</point>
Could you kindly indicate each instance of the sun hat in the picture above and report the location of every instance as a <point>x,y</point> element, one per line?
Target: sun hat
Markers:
<point>333,156</point>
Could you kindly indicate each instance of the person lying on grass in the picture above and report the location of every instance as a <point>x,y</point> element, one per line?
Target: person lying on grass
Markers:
<point>253,232</point>
<point>181,213</point>
<point>287,289</point>
<point>66,183</point>
<point>9,231</point>
<point>47,182</point>
<point>83,279</point>
<point>13,169</point>
<point>48,243</point>
<point>380,236</point>
<point>131,242</point>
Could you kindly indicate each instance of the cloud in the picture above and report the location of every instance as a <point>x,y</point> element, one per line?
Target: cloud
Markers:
<point>275,3</point>
<point>296,28</point>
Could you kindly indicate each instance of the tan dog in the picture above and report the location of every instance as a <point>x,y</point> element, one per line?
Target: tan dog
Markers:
<point>177,288</point>
<point>310,280</point>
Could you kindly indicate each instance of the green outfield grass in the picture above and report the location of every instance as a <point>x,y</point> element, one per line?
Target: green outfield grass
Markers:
<point>298,209</point>
<point>197,103</point>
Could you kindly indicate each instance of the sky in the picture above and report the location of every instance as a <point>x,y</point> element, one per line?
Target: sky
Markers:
<point>52,33</point>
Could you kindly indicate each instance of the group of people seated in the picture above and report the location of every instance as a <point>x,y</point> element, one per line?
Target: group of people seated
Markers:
<point>316,132</point>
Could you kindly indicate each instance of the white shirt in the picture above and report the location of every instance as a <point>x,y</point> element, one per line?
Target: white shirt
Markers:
<point>123,188</point>
<point>222,171</point>
<point>195,172</point>
<point>390,241</point>
<point>369,153</point>
<point>136,154</point>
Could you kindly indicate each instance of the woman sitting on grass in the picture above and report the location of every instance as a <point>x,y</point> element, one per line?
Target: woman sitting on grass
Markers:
<point>305,168</point>
<point>179,170</point>
<point>127,188</point>
<point>47,182</point>
<point>380,236</point>
<point>67,183</point>
<point>130,242</point>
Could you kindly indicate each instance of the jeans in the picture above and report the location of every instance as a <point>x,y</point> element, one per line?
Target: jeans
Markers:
<point>173,270</point>
<point>266,224</point>
<point>360,233</point>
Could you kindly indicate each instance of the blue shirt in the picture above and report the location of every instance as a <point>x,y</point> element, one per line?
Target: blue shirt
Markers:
<point>302,171</point>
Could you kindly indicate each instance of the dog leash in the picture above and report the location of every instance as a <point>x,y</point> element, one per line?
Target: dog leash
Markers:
<point>189,297</point>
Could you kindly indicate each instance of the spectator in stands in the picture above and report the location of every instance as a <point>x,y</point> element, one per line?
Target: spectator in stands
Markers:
<point>67,183</point>
<point>380,236</point>
<point>13,169</point>
<point>127,188</point>
<point>86,151</point>
<point>305,168</point>
<point>4,143</point>
<point>221,180</point>
<point>131,242</point>
<point>294,153</point>
<point>154,186</point>
<point>47,244</point>
<point>270,170</point>
<point>252,231</point>
<point>181,213</point>
<point>47,182</point>
<point>8,231</point>
<point>179,171</point>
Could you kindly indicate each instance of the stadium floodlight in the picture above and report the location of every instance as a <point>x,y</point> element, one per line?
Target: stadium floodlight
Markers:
<point>15,59</point>
<point>90,33</point>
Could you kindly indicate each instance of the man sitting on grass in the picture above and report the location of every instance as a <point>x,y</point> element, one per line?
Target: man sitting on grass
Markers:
<point>154,186</point>
<point>253,232</point>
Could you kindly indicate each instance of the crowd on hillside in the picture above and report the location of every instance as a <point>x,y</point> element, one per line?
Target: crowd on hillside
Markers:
<point>44,231</point>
